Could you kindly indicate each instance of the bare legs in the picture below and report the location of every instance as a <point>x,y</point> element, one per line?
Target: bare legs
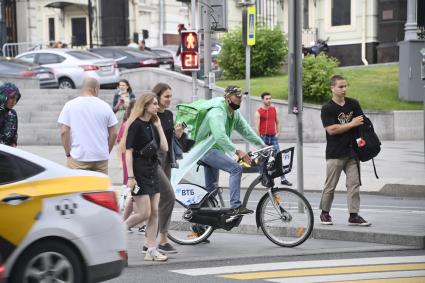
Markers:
<point>146,208</point>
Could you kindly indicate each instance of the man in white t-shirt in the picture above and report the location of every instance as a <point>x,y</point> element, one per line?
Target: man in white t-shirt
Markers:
<point>88,129</point>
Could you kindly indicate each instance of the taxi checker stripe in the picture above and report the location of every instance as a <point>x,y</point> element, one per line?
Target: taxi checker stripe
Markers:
<point>299,265</point>
<point>6,248</point>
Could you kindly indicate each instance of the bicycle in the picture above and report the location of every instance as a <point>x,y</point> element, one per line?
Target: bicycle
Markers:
<point>283,214</point>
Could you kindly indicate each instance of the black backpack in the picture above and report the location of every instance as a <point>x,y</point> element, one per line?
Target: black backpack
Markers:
<point>367,144</point>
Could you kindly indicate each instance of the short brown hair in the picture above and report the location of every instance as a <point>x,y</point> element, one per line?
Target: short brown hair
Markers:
<point>336,78</point>
<point>264,94</point>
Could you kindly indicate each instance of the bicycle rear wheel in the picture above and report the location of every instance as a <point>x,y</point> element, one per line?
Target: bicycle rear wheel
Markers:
<point>287,219</point>
<point>183,232</point>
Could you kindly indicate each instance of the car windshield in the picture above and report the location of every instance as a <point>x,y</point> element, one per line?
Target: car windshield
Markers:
<point>139,54</point>
<point>82,55</point>
<point>8,67</point>
<point>20,62</point>
<point>163,53</point>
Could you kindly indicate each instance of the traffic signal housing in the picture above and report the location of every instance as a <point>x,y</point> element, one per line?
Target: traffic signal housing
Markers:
<point>190,51</point>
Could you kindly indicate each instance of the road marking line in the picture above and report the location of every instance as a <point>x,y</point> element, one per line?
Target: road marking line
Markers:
<point>325,271</point>
<point>388,280</point>
<point>353,277</point>
<point>299,265</point>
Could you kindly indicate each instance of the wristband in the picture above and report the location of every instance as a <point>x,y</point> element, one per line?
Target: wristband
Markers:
<point>68,155</point>
<point>132,177</point>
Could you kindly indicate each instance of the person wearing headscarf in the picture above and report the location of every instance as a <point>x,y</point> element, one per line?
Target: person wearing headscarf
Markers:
<point>9,97</point>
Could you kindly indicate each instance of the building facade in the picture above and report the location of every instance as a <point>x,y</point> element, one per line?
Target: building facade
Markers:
<point>359,31</point>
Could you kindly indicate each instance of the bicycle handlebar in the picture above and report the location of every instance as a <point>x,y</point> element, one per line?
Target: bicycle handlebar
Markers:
<point>256,153</point>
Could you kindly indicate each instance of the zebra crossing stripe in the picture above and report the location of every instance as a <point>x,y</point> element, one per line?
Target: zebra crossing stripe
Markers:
<point>300,265</point>
<point>325,271</point>
<point>399,276</point>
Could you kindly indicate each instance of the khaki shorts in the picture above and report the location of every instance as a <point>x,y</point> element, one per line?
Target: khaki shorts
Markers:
<point>98,166</point>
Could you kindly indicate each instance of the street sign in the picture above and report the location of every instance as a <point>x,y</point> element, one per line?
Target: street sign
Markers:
<point>251,25</point>
<point>190,51</point>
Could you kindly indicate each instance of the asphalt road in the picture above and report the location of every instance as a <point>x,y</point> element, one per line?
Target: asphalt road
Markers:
<point>297,268</point>
<point>230,249</point>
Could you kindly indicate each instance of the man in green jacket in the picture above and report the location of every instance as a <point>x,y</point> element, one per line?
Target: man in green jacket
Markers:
<point>220,121</point>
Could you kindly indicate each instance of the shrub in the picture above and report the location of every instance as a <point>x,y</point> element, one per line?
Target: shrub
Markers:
<point>317,72</point>
<point>267,55</point>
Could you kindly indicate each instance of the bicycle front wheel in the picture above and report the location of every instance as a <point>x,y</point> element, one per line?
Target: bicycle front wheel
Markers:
<point>287,218</point>
<point>183,232</point>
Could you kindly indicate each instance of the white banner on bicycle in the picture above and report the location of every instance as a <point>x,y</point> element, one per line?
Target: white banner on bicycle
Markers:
<point>187,165</point>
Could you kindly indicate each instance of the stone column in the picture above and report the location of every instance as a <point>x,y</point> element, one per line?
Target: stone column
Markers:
<point>410,28</point>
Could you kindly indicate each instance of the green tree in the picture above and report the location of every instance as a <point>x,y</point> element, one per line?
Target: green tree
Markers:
<point>267,55</point>
<point>317,72</point>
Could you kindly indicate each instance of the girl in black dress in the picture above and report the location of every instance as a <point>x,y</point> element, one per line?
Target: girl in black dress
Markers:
<point>167,199</point>
<point>143,138</point>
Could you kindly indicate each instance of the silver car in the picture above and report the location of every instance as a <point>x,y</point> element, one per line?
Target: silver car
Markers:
<point>71,66</point>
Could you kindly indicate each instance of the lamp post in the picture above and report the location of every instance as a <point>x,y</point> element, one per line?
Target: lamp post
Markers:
<point>90,12</point>
<point>207,49</point>
<point>2,25</point>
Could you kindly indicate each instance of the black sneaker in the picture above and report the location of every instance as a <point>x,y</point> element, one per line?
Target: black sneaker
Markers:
<point>358,221</point>
<point>144,249</point>
<point>142,229</point>
<point>325,219</point>
<point>285,182</point>
<point>167,249</point>
<point>241,210</point>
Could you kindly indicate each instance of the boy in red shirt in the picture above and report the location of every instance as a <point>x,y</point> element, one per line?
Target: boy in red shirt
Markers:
<point>267,126</point>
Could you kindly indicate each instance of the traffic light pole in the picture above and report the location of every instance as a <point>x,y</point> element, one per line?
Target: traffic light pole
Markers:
<point>194,73</point>
<point>207,49</point>
<point>295,94</point>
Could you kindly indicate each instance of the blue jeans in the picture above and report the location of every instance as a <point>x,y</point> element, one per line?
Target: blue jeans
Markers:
<point>272,140</point>
<point>218,160</point>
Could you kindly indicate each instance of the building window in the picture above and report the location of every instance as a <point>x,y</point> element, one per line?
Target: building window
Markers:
<point>267,12</point>
<point>51,29</point>
<point>341,12</point>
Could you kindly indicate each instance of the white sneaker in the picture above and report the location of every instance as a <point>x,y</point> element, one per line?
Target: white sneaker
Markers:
<point>154,255</point>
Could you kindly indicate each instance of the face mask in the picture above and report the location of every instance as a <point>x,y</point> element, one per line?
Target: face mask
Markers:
<point>234,106</point>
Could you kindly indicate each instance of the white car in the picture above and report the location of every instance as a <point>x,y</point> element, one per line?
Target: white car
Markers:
<point>57,224</point>
<point>71,66</point>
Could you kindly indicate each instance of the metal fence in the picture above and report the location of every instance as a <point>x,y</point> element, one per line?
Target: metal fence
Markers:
<point>13,49</point>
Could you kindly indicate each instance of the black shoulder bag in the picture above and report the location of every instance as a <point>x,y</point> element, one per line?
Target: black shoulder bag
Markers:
<point>151,148</point>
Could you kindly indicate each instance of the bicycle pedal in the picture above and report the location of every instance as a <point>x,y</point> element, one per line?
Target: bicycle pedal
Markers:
<point>231,218</point>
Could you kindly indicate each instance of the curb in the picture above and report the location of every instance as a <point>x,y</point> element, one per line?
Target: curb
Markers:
<point>402,190</point>
<point>417,241</point>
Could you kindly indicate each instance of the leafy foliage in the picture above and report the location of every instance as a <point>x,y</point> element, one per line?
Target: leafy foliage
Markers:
<point>267,55</point>
<point>317,72</point>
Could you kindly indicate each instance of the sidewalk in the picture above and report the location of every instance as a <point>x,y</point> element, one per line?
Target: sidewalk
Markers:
<point>400,167</point>
<point>401,171</point>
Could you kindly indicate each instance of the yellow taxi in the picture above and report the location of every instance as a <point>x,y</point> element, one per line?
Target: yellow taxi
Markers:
<point>57,224</point>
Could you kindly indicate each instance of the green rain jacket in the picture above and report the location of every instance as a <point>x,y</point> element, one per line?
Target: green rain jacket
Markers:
<point>215,132</point>
<point>220,123</point>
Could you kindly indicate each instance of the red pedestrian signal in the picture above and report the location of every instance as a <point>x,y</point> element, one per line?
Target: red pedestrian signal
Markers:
<point>189,41</point>
<point>190,51</point>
